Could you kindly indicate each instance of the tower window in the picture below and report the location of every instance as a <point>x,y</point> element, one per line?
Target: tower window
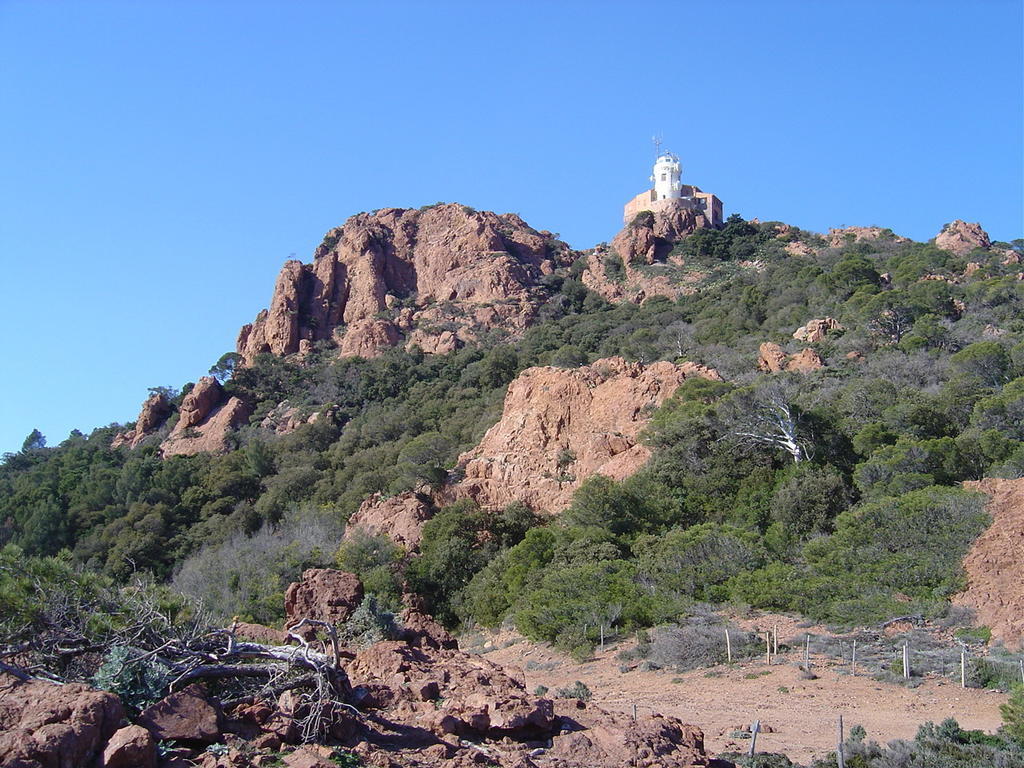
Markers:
<point>663,177</point>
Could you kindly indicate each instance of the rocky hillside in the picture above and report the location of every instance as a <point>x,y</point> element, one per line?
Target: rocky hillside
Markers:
<point>995,572</point>
<point>558,428</point>
<point>477,423</point>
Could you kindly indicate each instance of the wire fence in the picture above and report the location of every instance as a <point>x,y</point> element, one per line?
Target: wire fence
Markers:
<point>904,653</point>
<point>910,657</point>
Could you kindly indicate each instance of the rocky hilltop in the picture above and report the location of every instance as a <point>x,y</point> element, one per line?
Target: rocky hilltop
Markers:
<point>434,277</point>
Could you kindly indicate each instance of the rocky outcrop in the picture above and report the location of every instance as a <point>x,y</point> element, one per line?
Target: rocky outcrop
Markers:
<point>368,338</point>
<point>648,239</point>
<point>816,330</point>
<point>561,426</point>
<point>210,434</point>
<point>377,265</point>
<point>199,402</point>
<point>962,237</point>
<point>155,411</point>
<point>771,359</point>
<point>995,571</point>
<point>43,725</point>
<point>400,518</point>
<point>323,594</point>
<point>840,236</point>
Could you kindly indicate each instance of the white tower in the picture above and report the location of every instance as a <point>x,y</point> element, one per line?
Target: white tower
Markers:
<point>667,173</point>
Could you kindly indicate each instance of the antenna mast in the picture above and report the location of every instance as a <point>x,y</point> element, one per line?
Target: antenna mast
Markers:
<point>657,140</point>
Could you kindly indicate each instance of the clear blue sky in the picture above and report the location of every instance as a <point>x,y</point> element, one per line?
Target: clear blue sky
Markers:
<point>160,160</point>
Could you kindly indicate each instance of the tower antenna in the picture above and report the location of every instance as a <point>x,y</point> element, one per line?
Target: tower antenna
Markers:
<point>657,140</point>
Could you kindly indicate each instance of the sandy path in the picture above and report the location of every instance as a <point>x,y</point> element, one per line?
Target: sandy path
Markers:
<point>718,700</point>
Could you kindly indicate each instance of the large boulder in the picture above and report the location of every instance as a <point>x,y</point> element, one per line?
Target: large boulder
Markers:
<point>598,739</point>
<point>43,725</point>
<point>401,518</point>
<point>816,330</point>
<point>187,715</point>
<point>840,236</point>
<point>324,594</point>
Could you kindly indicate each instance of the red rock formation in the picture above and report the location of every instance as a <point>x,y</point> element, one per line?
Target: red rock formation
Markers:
<point>154,413</point>
<point>561,426</point>
<point>400,518</point>
<point>771,359</point>
<point>198,403</point>
<point>368,338</point>
<point>805,361</point>
<point>210,434</point>
<point>323,594</point>
<point>444,253</point>
<point>816,330</point>
<point>962,237</point>
<point>995,571</point>
<point>43,725</point>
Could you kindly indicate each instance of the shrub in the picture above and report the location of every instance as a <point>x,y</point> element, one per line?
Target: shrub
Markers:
<point>137,683</point>
<point>577,690</point>
<point>699,643</point>
<point>368,624</point>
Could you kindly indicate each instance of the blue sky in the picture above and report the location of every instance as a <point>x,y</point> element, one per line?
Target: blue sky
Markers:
<point>160,160</point>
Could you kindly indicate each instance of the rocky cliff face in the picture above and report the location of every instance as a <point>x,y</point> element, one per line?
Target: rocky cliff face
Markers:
<point>407,274</point>
<point>560,426</point>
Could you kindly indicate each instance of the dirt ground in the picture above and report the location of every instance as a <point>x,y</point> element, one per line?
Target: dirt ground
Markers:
<point>801,714</point>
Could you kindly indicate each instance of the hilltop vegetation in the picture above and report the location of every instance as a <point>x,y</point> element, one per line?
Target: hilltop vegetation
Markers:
<point>921,390</point>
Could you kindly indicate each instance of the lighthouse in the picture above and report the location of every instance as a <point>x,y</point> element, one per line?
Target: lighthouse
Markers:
<point>670,192</point>
<point>667,177</point>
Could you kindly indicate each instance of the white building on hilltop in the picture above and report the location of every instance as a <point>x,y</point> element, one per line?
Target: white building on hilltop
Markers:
<point>668,186</point>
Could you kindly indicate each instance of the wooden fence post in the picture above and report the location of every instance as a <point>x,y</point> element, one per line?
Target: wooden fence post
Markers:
<point>906,662</point>
<point>768,648</point>
<point>754,730</point>
<point>840,757</point>
<point>853,659</point>
<point>807,651</point>
<point>728,645</point>
<point>963,667</point>
<point>634,711</point>
<point>775,639</point>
